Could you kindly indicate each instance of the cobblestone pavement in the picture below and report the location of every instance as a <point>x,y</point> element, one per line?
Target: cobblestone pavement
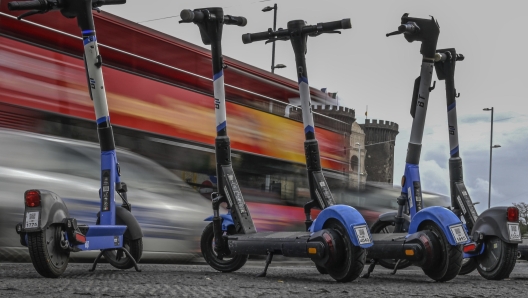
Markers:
<point>299,279</point>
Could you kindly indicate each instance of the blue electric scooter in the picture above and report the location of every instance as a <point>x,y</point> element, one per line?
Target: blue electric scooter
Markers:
<point>336,240</point>
<point>446,234</point>
<point>47,229</point>
<point>495,232</point>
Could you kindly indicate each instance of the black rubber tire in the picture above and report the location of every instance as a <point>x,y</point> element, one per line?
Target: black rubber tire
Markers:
<point>44,249</point>
<point>492,268</point>
<point>383,227</point>
<point>449,258</point>
<point>321,269</point>
<point>468,265</point>
<point>221,264</point>
<point>351,264</point>
<point>134,247</point>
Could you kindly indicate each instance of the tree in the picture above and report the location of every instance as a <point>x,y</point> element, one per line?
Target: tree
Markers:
<point>523,216</point>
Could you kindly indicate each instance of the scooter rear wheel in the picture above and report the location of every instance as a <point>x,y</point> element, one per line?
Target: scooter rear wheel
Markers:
<point>498,259</point>
<point>380,227</point>
<point>223,264</point>
<point>48,258</point>
<point>350,264</point>
<point>118,258</point>
<point>448,261</point>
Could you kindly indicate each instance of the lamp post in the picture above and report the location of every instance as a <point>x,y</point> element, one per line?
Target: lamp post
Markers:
<point>266,9</point>
<point>359,164</point>
<point>491,154</point>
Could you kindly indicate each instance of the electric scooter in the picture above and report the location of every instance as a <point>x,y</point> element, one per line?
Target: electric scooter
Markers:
<point>435,234</point>
<point>495,232</point>
<point>336,240</point>
<point>47,228</point>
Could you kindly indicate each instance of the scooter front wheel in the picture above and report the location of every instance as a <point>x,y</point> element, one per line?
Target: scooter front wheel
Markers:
<point>497,260</point>
<point>119,259</point>
<point>448,258</point>
<point>385,227</point>
<point>351,258</point>
<point>48,258</point>
<point>220,263</point>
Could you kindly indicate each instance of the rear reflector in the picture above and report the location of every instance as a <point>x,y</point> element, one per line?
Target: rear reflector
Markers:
<point>32,198</point>
<point>409,252</point>
<point>470,247</point>
<point>512,214</point>
<point>312,250</point>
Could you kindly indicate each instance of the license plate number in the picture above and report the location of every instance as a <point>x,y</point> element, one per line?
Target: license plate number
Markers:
<point>515,232</point>
<point>362,234</point>
<point>459,233</point>
<point>32,219</point>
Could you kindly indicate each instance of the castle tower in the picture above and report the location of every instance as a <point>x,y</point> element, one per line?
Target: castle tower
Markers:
<point>330,113</point>
<point>380,139</point>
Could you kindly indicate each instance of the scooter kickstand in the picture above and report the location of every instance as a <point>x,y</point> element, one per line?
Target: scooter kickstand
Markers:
<point>96,261</point>
<point>126,253</point>
<point>268,261</point>
<point>396,267</point>
<point>370,269</point>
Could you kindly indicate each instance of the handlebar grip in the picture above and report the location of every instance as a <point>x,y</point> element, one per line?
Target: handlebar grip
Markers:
<point>251,37</point>
<point>112,2</point>
<point>27,5</point>
<point>189,16</point>
<point>231,20</point>
<point>330,26</point>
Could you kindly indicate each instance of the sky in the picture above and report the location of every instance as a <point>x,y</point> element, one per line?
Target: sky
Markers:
<point>367,68</point>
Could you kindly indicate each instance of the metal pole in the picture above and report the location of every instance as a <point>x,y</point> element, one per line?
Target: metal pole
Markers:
<point>273,46</point>
<point>491,152</point>
<point>359,166</point>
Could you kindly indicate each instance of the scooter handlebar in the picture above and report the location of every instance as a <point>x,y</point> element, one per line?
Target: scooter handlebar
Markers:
<point>251,37</point>
<point>232,20</point>
<point>28,5</point>
<point>319,28</point>
<point>189,16</point>
<point>107,2</point>
<point>336,25</point>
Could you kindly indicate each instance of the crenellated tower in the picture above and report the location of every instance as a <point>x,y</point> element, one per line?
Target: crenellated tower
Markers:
<point>380,139</point>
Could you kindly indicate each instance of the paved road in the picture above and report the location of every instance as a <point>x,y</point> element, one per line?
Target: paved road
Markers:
<point>298,279</point>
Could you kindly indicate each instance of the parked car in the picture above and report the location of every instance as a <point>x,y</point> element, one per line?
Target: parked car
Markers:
<point>170,212</point>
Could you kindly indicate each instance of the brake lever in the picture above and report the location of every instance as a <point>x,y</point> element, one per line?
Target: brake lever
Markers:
<point>277,39</point>
<point>30,13</point>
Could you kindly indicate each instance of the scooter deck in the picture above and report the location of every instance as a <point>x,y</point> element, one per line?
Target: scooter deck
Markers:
<point>289,244</point>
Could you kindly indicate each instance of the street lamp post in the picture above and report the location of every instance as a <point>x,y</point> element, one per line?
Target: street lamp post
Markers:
<point>491,154</point>
<point>266,9</point>
<point>359,164</point>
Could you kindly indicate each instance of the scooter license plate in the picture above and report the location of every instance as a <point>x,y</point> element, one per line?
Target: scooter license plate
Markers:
<point>32,219</point>
<point>459,233</point>
<point>362,234</point>
<point>515,232</point>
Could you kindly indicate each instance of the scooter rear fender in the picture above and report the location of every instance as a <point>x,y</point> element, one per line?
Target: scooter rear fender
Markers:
<point>227,220</point>
<point>493,222</point>
<point>443,218</point>
<point>349,217</point>
<point>51,210</point>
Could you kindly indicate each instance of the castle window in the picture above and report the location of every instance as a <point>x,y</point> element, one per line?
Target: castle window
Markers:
<point>354,163</point>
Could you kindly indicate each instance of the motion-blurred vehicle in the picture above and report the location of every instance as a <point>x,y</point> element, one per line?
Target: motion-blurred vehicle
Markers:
<point>169,211</point>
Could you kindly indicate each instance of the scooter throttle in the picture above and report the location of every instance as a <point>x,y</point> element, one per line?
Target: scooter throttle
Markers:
<point>28,5</point>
